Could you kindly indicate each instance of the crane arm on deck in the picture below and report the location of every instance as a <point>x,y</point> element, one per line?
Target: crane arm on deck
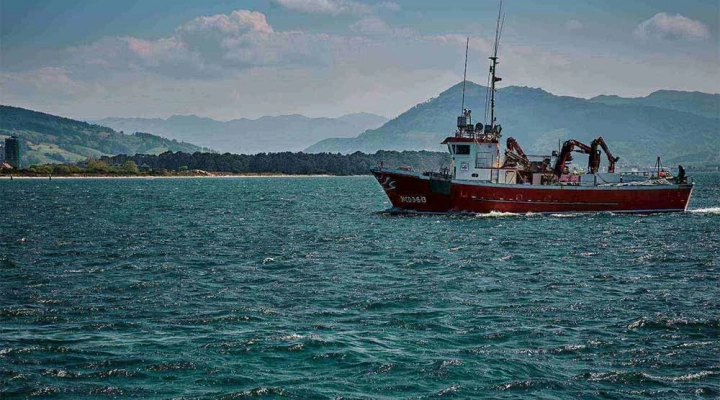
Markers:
<point>611,160</point>
<point>565,156</point>
<point>515,153</point>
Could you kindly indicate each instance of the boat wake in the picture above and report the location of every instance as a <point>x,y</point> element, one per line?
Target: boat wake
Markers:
<point>568,215</point>
<point>498,214</point>
<point>709,210</point>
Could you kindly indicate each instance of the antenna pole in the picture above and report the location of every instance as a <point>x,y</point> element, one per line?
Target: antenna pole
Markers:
<point>492,92</point>
<point>493,67</point>
<point>467,45</point>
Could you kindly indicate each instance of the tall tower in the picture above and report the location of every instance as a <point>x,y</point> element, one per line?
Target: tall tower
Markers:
<point>12,151</point>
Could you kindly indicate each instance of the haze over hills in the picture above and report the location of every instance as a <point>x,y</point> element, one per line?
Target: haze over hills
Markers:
<point>679,126</point>
<point>249,136</point>
<point>47,138</point>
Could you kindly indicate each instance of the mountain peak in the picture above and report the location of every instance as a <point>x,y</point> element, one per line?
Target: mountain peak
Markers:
<point>525,90</point>
<point>605,97</point>
<point>666,92</point>
<point>469,85</point>
<point>189,117</point>
<point>472,87</point>
<point>539,119</point>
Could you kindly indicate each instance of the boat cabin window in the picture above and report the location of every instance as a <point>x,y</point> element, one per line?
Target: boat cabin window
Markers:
<point>461,149</point>
<point>483,158</point>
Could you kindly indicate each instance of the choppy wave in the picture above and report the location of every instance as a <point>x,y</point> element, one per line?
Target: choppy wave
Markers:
<point>197,289</point>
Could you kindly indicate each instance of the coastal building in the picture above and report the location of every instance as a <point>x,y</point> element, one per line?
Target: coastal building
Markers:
<point>12,151</point>
<point>2,152</point>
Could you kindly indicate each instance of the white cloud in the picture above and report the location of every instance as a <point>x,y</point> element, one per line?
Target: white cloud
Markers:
<point>238,21</point>
<point>390,6</point>
<point>664,26</point>
<point>331,7</point>
<point>205,47</point>
<point>279,49</point>
<point>238,65</point>
<point>111,55</point>
<point>153,49</point>
<point>573,25</point>
<point>336,7</point>
<point>223,44</point>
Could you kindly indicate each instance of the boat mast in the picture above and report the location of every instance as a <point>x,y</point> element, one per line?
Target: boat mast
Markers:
<point>467,45</point>
<point>493,67</point>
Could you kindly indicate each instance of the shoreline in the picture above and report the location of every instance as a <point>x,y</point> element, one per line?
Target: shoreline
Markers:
<point>25,177</point>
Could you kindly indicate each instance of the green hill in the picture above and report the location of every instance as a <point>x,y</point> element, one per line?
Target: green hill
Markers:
<point>635,131</point>
<point>703,104</point>
<point>48,138</point>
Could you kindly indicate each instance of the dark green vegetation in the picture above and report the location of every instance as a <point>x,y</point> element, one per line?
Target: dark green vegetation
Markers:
<point>179,163</point>
<point>284,163</point>
<point>90,167</point>
<point>47,138</point>
<point>681,127</point>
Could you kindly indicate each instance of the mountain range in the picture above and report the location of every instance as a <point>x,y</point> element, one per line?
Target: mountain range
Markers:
<point>682,127</point>
<point>679,126</point>
<point>250,136</point>
<point>47,138</point>
<point>703,104</point>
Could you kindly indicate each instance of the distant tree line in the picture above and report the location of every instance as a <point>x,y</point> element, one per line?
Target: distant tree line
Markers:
<point>264,163</point>
<point>283,163</point>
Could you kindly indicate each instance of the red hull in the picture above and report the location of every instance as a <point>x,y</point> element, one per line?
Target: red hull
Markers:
<point>411,191</point>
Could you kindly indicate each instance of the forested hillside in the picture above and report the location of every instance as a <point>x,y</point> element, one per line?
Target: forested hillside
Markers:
<point>48,138</point>
<point>702,104</point>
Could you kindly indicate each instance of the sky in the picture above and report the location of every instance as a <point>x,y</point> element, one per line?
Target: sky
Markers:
<point>230,59</point>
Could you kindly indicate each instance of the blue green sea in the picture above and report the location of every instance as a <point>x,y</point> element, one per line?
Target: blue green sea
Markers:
<point>305,288</point>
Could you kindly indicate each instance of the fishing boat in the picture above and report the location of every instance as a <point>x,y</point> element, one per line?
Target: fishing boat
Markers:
<point>481,179</point>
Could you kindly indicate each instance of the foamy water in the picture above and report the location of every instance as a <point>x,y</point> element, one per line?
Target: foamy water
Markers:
<point>709,210</point>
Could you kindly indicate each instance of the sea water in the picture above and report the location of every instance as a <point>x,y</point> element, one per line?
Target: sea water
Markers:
<point>305,288</point>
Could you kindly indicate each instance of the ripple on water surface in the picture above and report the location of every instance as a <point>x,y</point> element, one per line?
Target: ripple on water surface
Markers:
<point>305,288</point>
